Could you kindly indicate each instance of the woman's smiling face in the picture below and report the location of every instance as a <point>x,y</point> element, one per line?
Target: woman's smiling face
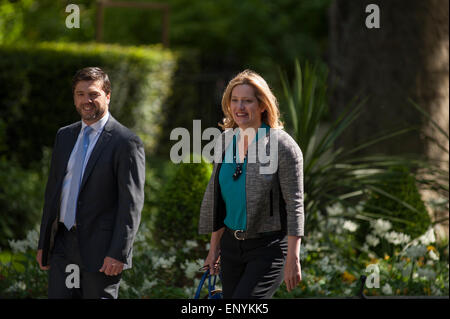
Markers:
<point>245,107</point>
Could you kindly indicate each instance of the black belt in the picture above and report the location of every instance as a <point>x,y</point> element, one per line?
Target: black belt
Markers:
<point>243,235</point>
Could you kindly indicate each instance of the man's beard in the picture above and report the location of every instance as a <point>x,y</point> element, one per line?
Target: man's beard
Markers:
<point>92,114</point>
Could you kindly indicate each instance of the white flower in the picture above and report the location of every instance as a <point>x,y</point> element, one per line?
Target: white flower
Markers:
<point>162,262</point>
<point>397,238</point>
<point>191,267</point>
<point>335,209</point>
<point>311,246</point>
<point>29,243</point>
<point>372,240</point>
<point>350,226</point>
<point>147,285</point>
<point>32,239</point>
<point>387,290</point>
<point>123,285</point>
<point>428,238</point>
<point>380,227</point>
<point>17,286</point>
<point>17,246</point>
<point>348,292</point>
<point>189,244</point>
<point>433,255</point>
<point>323,264</point>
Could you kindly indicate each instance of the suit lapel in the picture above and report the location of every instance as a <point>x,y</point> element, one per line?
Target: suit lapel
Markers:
<point>67,148</point>
<point>103,140</point>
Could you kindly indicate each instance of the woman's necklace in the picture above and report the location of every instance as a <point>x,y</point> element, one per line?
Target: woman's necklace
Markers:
<point>238,170</point>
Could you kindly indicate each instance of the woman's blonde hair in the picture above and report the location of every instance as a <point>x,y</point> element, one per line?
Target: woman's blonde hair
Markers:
<point>265,97</point>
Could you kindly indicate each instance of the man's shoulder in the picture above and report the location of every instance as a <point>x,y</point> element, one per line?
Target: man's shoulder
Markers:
<point>121,131</point>
<point>69,128</point>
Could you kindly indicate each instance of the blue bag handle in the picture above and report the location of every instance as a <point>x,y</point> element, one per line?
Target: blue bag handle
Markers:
<point>211,286</point>
<point>200,285</point>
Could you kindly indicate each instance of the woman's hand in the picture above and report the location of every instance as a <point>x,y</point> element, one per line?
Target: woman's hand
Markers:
<point>212,260</point>
<point>292,273</point>
<point>292,269</point>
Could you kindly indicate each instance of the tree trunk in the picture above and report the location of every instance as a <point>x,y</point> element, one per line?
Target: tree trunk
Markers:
<point>407,57</point>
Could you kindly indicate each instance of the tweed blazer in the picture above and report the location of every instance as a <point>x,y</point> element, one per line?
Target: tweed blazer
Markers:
<point>274,187</point>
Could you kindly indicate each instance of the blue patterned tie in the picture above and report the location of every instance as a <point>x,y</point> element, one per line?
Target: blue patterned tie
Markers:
<point>69,218</point>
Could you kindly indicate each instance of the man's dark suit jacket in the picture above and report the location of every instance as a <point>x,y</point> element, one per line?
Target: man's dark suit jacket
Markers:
<point>111,195</point>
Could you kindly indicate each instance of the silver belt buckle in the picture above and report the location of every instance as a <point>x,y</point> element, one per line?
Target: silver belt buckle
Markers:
<point>236,234</point>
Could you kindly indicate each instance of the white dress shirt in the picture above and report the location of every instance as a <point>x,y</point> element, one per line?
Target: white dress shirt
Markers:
<point>97,128</point>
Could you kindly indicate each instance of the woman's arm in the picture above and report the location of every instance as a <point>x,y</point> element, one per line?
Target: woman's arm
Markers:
<point>292,269</point>
<point>212,259</point>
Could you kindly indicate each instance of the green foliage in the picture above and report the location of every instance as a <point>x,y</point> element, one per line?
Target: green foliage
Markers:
<point>218,28</point>
<point>179,205</point>
<point>331,266</point>
<point>36,95</point>
<point>12,18</point>
<point>21,199</point>
<point>43,20</point>
<point>332,261</point>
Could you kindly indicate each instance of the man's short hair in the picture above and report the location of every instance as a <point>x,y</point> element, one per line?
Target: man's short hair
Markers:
<point>92,74</point>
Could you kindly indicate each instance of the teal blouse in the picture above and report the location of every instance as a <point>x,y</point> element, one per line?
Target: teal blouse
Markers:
<point>233,191</point>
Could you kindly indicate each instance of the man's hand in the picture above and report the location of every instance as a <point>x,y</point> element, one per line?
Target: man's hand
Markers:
<point>39,260</point>
<point>111,266</point>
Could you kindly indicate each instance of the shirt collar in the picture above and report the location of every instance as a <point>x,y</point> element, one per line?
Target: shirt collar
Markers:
<point>99,125</point>
<point>257,136</point>
<point>263,126</point>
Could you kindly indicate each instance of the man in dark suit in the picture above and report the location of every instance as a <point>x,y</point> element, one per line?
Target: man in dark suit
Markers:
<point>93,199</point>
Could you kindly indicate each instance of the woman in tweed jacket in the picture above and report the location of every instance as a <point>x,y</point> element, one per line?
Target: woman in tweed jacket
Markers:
<point>253,204</point>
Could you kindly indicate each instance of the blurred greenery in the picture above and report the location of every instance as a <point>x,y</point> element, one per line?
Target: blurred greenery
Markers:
<point>36,93</point>
<point>178,206</point>
<point>21,199</point>
<point>254,32</point>
<point>218,40</point>
<point>337,175</point>
<point>155,90</point>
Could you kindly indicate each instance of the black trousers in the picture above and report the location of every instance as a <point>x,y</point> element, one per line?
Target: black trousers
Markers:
<point>63,278</point>
<point>252,268</point>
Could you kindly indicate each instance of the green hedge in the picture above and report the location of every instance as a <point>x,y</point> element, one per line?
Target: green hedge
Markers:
<point>36,95</point>
<point>178,206</point>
